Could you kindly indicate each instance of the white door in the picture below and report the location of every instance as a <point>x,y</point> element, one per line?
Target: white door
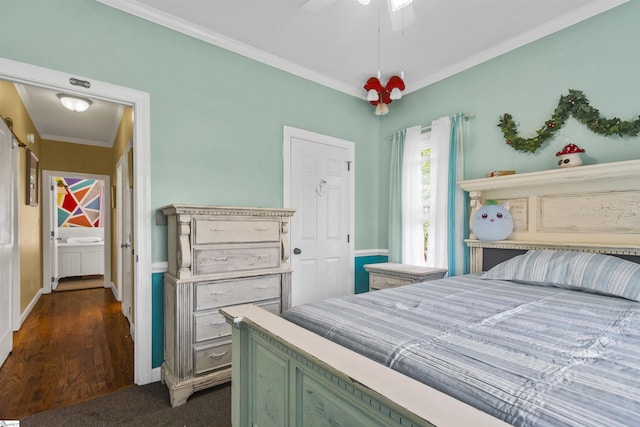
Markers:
<point>125,200</point>
<point>6,239</point>
<point>119,233</point>
<point>320,178</point>
<point>50,231</point>
<point>53,235</point>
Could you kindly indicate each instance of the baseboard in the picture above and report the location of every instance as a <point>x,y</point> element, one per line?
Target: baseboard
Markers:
<point>159,267</point>
<point>163,266</point>
<point>156,374</point>
<point>372,252</point>
<point>114,291</point>
<point>32,304</point>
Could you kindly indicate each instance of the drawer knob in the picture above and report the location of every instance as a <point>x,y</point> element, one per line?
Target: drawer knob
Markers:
<point>219,259</point>
<point>219,229</point>
<point>216,324</point>
<point>216,356</point>
<point>261,229</point>
<point>297,251</point>
<point>213,294</point>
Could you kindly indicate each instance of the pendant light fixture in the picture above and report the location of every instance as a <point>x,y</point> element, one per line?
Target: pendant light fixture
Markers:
<point>380,96</point>
<point>74,103</point>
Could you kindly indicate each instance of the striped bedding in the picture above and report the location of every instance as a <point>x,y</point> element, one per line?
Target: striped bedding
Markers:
<point>529,355</point>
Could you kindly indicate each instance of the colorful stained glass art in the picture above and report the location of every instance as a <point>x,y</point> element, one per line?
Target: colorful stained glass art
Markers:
<point>80,202</point>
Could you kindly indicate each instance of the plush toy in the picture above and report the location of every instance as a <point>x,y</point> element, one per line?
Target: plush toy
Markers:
<point>492,222</point>
<point>569,156</point>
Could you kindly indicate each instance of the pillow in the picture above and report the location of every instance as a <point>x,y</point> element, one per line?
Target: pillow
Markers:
<point>603,274</point>
<point>506,270</point>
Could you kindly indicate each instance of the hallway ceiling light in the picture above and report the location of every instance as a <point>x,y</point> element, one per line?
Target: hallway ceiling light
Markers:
<point>74,103</point>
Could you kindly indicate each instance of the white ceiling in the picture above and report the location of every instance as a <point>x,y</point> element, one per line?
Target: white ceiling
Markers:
<point>336,46</point>
<point>96,126</point>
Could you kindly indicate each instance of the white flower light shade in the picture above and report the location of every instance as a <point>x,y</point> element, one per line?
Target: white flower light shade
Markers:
<point>396,5</point>
<point>381,109</point>
<point>74,103</point>
<point>395,93</point>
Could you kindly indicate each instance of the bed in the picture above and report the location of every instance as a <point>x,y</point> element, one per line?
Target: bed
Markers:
<point>545,331</point>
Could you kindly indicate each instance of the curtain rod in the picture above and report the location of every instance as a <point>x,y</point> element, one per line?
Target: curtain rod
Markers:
<point>9,123</point>
<point>424,129</point>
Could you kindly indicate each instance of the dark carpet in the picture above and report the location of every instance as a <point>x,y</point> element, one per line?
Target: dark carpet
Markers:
<point>146,405</point>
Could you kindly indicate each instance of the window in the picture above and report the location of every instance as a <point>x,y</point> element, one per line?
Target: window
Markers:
<point>425,171</point>
<point>416,198</point>
<point>426,205</point>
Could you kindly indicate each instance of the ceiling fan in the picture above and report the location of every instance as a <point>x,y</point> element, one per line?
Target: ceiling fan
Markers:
<point>401,12</point>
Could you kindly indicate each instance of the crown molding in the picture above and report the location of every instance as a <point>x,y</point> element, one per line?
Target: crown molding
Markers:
<point>180,25</point>
<point>560,23</point>
<point>164,19</point>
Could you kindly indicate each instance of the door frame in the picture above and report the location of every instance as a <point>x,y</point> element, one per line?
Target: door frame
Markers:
<point>19,72</point>
<point>121,173</point>
<point>118,234</point>
<point>289,132</point>
<point>15,275</point>
<point>14,266</point>
<point>47,208</point>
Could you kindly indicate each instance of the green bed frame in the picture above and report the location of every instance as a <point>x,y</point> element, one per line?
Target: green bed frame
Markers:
<point>284,375</point>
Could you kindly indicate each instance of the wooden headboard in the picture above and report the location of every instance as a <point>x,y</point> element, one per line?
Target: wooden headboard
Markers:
<point>593,208</point>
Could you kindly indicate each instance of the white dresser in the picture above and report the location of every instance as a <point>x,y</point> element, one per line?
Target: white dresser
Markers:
<point>390,275</point>
<point>218,256</point>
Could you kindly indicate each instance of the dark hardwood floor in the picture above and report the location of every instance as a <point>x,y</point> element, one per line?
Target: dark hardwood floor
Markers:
<point>73,346</point>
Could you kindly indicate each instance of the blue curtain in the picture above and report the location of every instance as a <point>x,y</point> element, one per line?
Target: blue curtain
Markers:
<point>395,197</point>
<point>458,218</point>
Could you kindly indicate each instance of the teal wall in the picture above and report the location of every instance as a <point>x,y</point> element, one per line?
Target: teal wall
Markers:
<point>600,56</point>
<point>217,117</point>
<point>361,275</point>
<point>157,319</point>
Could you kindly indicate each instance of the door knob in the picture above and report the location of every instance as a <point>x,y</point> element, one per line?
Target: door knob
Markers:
<point>297,251</point>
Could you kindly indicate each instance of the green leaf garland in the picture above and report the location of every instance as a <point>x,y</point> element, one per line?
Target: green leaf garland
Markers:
<point>577,105</point>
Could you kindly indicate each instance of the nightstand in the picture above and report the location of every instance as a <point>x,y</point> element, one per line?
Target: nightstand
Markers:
<point>390,274</point>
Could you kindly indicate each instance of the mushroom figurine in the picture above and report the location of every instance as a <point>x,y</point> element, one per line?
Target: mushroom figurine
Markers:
<point>569,156</point>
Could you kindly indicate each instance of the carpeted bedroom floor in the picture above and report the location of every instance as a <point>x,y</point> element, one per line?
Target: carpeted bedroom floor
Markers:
<point>142,406</point>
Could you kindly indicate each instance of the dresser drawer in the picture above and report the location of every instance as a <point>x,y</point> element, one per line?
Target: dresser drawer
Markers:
<point>236,291</point>
<point>382,282</point>
<point>209,230</point>
<point>218,256</point>
<point>235,258</point>
<point>213,356</point>
<point>211,324</point>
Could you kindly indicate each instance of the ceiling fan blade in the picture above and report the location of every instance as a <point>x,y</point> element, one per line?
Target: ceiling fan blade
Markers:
<point>407,13</point>
<point>315,6</point>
